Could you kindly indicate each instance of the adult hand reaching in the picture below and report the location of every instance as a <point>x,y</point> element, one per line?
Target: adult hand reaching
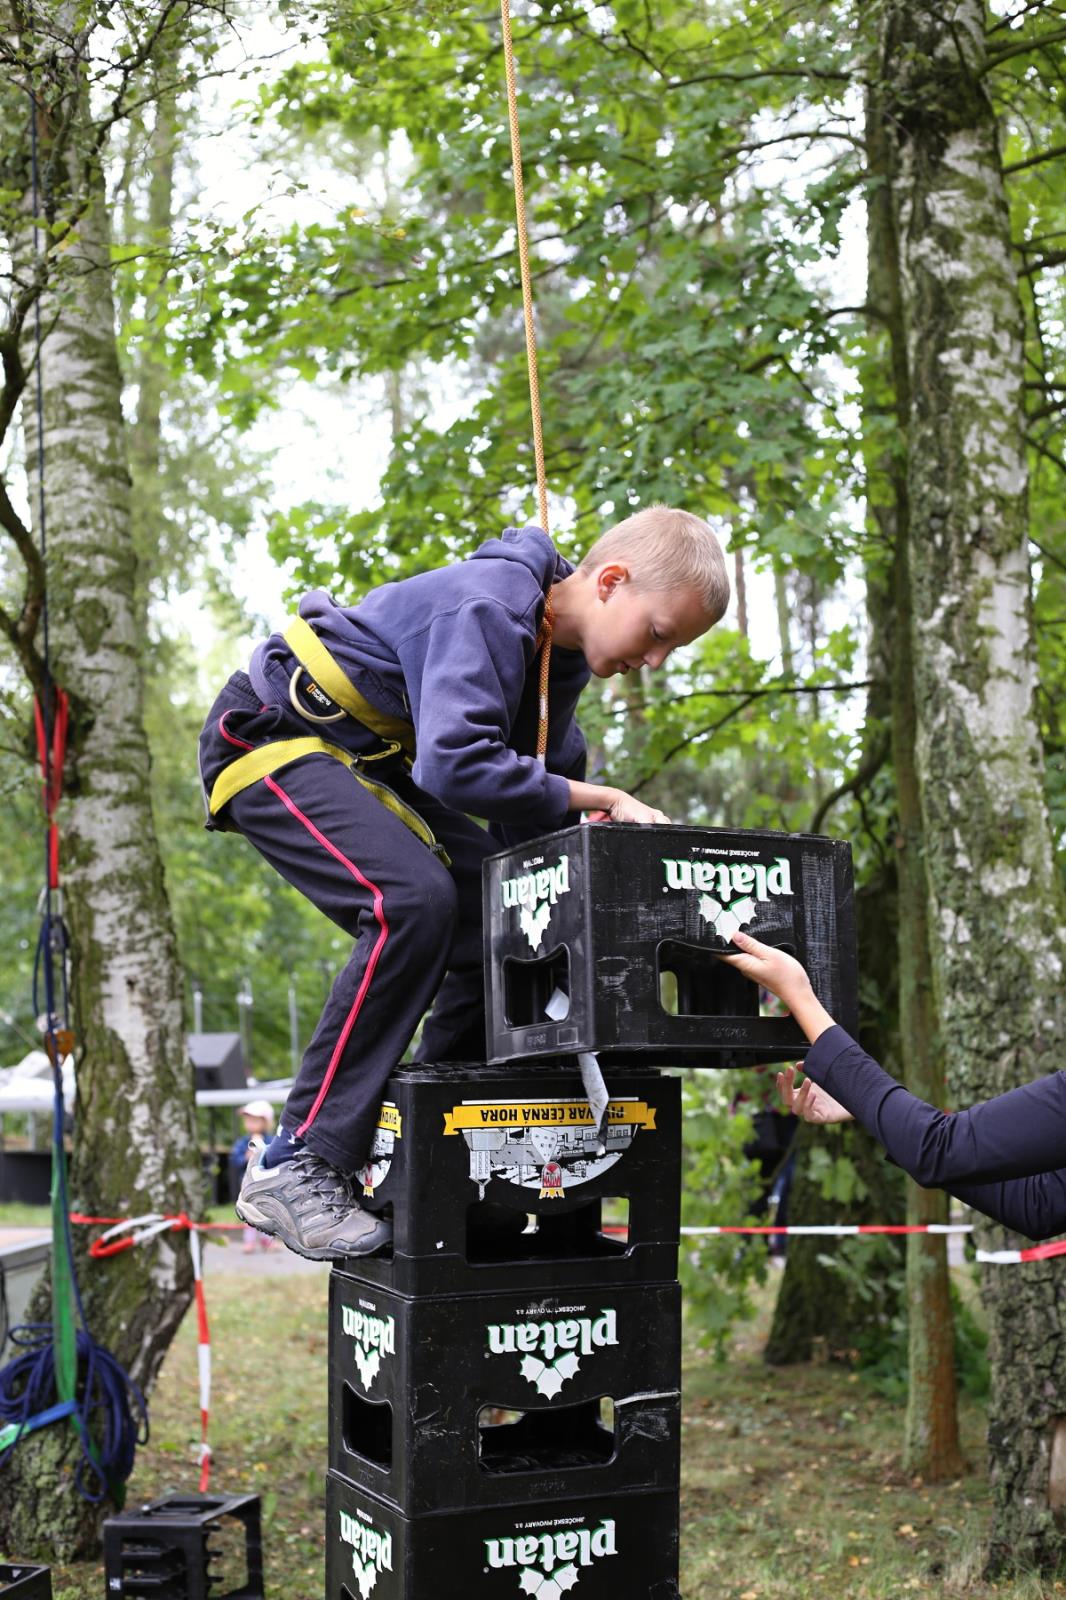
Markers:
<point>782,974</point>
<point>809,1101</point>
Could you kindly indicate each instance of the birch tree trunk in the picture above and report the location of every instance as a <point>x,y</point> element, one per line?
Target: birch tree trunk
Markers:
<point>996,928</point>
<point>135,1144</point>
<point>931,1431</point>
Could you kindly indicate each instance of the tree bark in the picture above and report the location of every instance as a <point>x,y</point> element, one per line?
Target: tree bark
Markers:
<point>135,1146</point>
<point>995,914</point>
<point>931,1431</point>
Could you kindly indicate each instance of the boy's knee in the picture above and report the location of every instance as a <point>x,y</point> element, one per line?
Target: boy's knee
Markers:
<point>425,909</point>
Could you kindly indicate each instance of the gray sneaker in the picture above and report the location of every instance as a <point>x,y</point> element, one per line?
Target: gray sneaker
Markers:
<point>311,1207</point>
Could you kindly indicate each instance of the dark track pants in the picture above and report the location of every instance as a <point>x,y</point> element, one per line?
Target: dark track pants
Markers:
<point>414,921</point>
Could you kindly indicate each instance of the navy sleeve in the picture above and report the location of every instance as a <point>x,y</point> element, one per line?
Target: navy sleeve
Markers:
<point>1034,1206</point>
<point>465,674</point>
<point>1015,1135</point>
<point>510,835</point>
<point>1002,1156</point>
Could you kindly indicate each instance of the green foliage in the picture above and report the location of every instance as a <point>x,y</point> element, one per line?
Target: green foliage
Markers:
<point>873,1269</point>
<point>719,1186</point>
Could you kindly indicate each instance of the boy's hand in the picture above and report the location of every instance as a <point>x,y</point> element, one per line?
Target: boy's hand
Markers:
<point>627,809</point>
<point>604,804</point>
<point>809,1101</point>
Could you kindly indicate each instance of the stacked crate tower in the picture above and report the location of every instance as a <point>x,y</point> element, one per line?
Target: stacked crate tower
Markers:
<point>504,1407</point>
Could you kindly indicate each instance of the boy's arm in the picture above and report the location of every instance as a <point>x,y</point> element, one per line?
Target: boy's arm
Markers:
<point>465,674</point>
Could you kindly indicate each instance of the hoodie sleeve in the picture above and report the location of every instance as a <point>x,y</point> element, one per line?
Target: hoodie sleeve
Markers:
<point>1035,1206</point>
<point>567,756</point>
<point>465,673</point>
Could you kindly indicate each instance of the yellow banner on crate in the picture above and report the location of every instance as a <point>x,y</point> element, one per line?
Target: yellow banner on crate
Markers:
<point>391,1120</point>
<point>484,1115</point>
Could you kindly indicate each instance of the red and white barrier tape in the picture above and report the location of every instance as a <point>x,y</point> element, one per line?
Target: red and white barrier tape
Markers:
<point>841,1230</point>
<point>125,1232</point>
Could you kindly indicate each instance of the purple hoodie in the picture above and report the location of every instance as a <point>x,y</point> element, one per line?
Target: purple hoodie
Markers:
<point>451,651</point>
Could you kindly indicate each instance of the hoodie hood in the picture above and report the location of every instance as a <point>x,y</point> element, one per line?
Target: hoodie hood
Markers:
<point>531,548</point>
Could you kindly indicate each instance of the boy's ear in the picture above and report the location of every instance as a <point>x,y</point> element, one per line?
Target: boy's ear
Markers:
<point>608,578</point>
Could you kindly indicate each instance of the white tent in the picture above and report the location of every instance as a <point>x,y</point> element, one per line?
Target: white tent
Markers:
<point>27,1086</point>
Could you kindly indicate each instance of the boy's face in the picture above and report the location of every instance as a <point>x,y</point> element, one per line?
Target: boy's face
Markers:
<point>627,627</point>
<point>254,1124</point>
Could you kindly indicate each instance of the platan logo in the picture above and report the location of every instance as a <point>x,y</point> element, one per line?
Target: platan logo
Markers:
<point>551,1351</point>
<point>371,1551</point>
<point>374,1337</point>
<point>551,1562</point>
<point>730,891</point>
<point>535,893</point>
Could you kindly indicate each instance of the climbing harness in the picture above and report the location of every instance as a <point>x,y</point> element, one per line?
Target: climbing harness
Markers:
<point>327,675</point>
<point>267,759</point>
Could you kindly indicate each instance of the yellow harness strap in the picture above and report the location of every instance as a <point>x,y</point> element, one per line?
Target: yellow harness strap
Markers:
<point>269,758</point>
<point>312,654</point>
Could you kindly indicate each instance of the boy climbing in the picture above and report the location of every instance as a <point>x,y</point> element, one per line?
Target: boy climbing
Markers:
<point>353,755</point>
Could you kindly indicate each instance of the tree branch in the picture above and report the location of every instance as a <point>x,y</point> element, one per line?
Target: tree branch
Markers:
<point>701,733</point>
<point>761,694</point>
<point>1049,455</point>
<point>997,54</point>
<point>868,768</point>
<point>1029,269</point>
<point>1034,161</point>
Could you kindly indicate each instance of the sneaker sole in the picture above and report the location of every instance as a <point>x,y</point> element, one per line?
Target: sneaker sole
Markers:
<point>263,1222</point>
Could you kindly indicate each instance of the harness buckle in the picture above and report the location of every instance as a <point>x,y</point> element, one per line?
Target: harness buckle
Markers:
<point>322,707</point>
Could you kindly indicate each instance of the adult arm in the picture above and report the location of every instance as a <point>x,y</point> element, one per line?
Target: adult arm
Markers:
<point>1034,1206</point>
<point>1015,1135</point>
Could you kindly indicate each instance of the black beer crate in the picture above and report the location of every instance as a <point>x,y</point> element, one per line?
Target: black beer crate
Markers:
<point>441,1404</point>
<point>603,1548</point>
<point>19,1581</point>
<point>603,938</point>
<point>186,1547</point>
<point>498,1181</point>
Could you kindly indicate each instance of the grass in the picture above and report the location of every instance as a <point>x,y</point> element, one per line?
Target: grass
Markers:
<point>15,1215</point>
<point>792,1485</point>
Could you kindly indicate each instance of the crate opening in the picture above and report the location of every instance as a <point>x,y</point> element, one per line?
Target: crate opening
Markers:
<point>528,988</point>
<point>227,1556</point>
<point>552,1440</point>
<point>693,982</point>
<point>593,1230</point>
<point>366,1428</point>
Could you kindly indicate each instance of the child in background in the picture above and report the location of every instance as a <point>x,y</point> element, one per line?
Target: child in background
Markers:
<point>355,753</point>
<point>258,1119</point>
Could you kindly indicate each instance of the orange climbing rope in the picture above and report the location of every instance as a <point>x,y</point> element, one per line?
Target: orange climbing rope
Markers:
<point>544,636</point>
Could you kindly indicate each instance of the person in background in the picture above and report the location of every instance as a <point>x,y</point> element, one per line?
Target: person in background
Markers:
<point>258,1119</point>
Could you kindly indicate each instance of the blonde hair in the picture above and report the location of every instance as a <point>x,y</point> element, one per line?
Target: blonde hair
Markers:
<point>667,549</point>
